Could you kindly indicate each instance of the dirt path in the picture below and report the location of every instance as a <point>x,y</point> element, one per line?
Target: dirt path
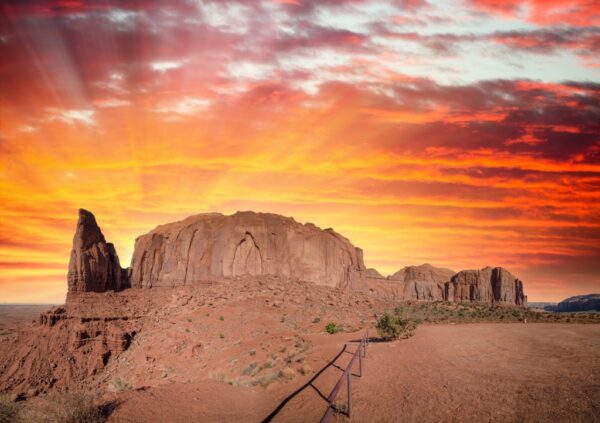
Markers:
<point>478,372</point>
<point>475,372</point>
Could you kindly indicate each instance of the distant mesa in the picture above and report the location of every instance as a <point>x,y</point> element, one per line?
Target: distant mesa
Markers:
<point>214,247</point>
<point>589,302</point>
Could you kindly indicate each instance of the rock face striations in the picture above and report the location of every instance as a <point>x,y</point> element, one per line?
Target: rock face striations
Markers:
<point>214,246</point>
<point>94,264</point>
<point>489,285</point>
<point>424,282</point>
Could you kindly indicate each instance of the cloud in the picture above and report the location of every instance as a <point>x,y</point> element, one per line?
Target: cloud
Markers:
<point>86,117</point>
<point>112,102</point>
<point>545,12</point>
<point>166,65</point>
<point>185,106</point>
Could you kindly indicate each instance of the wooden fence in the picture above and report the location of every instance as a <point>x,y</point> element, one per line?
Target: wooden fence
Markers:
<point>361,352</point>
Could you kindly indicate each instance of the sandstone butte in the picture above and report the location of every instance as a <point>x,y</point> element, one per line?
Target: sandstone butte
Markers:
<point>212,247</point>
<point>114,317</point>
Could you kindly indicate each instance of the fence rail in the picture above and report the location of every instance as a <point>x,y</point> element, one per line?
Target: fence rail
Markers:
<point>361,352</point>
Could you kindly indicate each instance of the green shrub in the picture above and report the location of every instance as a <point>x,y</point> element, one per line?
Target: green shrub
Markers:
<point>332,328</point>
<point>390,327</point>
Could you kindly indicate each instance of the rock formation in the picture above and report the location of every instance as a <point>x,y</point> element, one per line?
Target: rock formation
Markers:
<point>213,246</point>
<point>94,264</point>
<point>424,282</point>
<point>490,285</point>
<point>590,302</point>
<point>373,273</point>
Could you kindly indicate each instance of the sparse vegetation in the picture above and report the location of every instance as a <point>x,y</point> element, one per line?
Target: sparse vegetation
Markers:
<point>221,336</point>
<point>248,370</point>
<point>316,320</point>
<point>287,373</point>
<point>448,312</point>
<point>392,326</point>
<point>305,369</point>
<point>221,318</point>
<point>8,409</point>
<point>118,384</point>
<point>57,408</point>
<point>332,328</point>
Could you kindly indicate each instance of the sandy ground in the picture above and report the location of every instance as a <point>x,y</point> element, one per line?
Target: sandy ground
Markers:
<point>15,316</point>
<point>471,372</point>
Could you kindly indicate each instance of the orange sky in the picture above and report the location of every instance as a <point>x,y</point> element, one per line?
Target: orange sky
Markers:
<point>100,110</point>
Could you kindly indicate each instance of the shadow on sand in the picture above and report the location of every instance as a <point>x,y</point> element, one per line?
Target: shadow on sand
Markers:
<point>331,363</point>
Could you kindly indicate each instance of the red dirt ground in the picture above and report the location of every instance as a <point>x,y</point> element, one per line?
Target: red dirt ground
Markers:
<point>469,372</point>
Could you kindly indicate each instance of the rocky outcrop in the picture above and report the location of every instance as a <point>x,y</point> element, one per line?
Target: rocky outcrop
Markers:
<point>373,273</point>
<point>424,282</point>
<point>94,264</point>
<point>490,285</point>
<point>590,302</point>
<point>213,246</point>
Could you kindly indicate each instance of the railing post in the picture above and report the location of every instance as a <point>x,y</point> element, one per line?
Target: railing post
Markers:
<point>360,360</point>
<point>349,392</point>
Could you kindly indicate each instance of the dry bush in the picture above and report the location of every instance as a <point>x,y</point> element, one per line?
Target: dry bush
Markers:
<point>62,408</point>
<point>287,373</point>
<point>8,409</point>
<point>118,384</point>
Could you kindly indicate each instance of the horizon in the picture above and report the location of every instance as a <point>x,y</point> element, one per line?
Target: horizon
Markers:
<point>462,134</point>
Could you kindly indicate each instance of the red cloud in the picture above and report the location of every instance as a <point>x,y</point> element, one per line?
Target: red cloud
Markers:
<point>546,12</point>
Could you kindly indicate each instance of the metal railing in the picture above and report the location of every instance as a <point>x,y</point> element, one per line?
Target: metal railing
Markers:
<point>361,352</point>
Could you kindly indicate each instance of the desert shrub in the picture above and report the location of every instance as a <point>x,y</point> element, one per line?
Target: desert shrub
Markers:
<point>306,369</point>
<point>316,320</point>
<point>8,409</point>
<point>248,370</point>
<point>287,373</point>
<point>221,336</point>
<point>332,328</point>
<point>221,318</point>
<point>391,326</point>
<point>78,408</point>
<point>63,408</point>
<point>117,384</point>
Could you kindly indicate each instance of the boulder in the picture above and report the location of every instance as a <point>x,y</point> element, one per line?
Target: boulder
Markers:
<point>94,264</point>
<point>490,285</point>
<point>214,246</point>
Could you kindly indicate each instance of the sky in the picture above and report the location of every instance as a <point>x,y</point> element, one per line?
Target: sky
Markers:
<point>459,133</point>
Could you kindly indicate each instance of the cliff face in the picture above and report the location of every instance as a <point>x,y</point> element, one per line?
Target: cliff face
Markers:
<point>491,285</point>
<point>94,264</point>
<point>214,246</point>
<point>590,302</point>
<point>424,282</point>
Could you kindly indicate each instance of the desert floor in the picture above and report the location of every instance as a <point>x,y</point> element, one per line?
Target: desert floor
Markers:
<point>15,316</point>
<point>463,372</point>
